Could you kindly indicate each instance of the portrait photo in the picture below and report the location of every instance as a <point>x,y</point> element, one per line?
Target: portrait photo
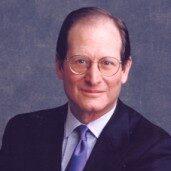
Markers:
<point>85,85</point>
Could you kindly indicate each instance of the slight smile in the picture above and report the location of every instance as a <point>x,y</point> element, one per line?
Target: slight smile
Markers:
<point>92,92</point>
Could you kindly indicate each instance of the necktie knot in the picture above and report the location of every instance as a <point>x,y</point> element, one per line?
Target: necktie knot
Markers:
<point>82,132</point>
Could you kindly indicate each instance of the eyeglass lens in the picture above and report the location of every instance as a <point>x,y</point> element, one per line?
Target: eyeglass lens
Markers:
<point>108,66</point>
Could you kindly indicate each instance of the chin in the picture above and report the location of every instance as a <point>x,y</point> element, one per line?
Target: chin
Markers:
<point>92,107</point>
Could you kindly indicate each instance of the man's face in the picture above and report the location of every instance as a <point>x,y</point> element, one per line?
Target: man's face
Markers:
<point>92,92</point>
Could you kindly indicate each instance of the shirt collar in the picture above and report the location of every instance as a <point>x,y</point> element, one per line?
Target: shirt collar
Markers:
<point>95,126</point>
<point>71,123</point>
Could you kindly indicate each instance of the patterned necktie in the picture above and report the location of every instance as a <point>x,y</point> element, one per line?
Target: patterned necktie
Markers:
<point>79,156</point>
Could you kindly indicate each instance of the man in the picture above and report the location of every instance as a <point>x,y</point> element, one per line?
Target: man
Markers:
<point>94,131</point>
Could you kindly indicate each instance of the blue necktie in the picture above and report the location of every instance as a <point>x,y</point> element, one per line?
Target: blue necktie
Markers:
<point>79,156</point>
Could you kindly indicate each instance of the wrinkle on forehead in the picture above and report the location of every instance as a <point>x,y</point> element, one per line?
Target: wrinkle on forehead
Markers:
<point>94,22</point>
<point>97,32</point>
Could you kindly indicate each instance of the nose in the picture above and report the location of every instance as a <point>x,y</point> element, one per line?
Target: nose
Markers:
<point>93,76</point>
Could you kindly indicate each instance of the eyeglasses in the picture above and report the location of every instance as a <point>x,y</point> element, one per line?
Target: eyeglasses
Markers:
<point>108,66</point>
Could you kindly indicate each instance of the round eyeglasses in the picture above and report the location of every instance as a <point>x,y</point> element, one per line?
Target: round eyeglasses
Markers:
<point>108,66</point>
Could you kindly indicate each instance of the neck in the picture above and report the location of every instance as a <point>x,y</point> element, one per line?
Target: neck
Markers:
<point>86,117</point>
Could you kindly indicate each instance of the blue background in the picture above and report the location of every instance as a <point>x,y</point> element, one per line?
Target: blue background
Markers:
<point>28,34</point>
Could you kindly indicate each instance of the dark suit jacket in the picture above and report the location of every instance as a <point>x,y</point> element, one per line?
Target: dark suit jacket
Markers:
<point>129,142</point>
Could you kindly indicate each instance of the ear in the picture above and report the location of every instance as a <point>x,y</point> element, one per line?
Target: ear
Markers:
<point>59,69</point>
<point>125,70</point>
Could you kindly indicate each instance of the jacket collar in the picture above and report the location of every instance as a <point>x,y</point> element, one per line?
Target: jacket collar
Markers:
<point>51,138</point>
<point>112,143</point>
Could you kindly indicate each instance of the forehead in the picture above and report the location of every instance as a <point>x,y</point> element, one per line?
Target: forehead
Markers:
<point>97,37</point>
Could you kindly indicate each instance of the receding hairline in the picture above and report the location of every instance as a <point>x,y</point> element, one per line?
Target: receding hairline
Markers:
<point>83,15</point>
<point>95,18</point>
<point>95,21</point>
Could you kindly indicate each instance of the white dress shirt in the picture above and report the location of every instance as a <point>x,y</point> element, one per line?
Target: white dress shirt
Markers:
<point>70,139</point>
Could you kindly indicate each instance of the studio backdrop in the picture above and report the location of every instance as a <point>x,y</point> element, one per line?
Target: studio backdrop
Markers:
<point>28,34</point>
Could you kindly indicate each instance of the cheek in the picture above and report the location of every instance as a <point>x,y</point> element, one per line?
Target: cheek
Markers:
<point>71,84</point>
<point>114,87</point>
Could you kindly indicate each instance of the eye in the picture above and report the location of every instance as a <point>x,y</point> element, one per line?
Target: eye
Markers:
<point>107,62</point>
<point>80,61</point>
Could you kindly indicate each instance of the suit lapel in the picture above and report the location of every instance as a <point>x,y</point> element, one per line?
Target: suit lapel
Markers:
<point>107,152</point>
<point>111,145</point>
<point>51,139</point>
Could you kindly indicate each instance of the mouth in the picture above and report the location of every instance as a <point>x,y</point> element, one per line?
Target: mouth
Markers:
<point>92,91</point>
